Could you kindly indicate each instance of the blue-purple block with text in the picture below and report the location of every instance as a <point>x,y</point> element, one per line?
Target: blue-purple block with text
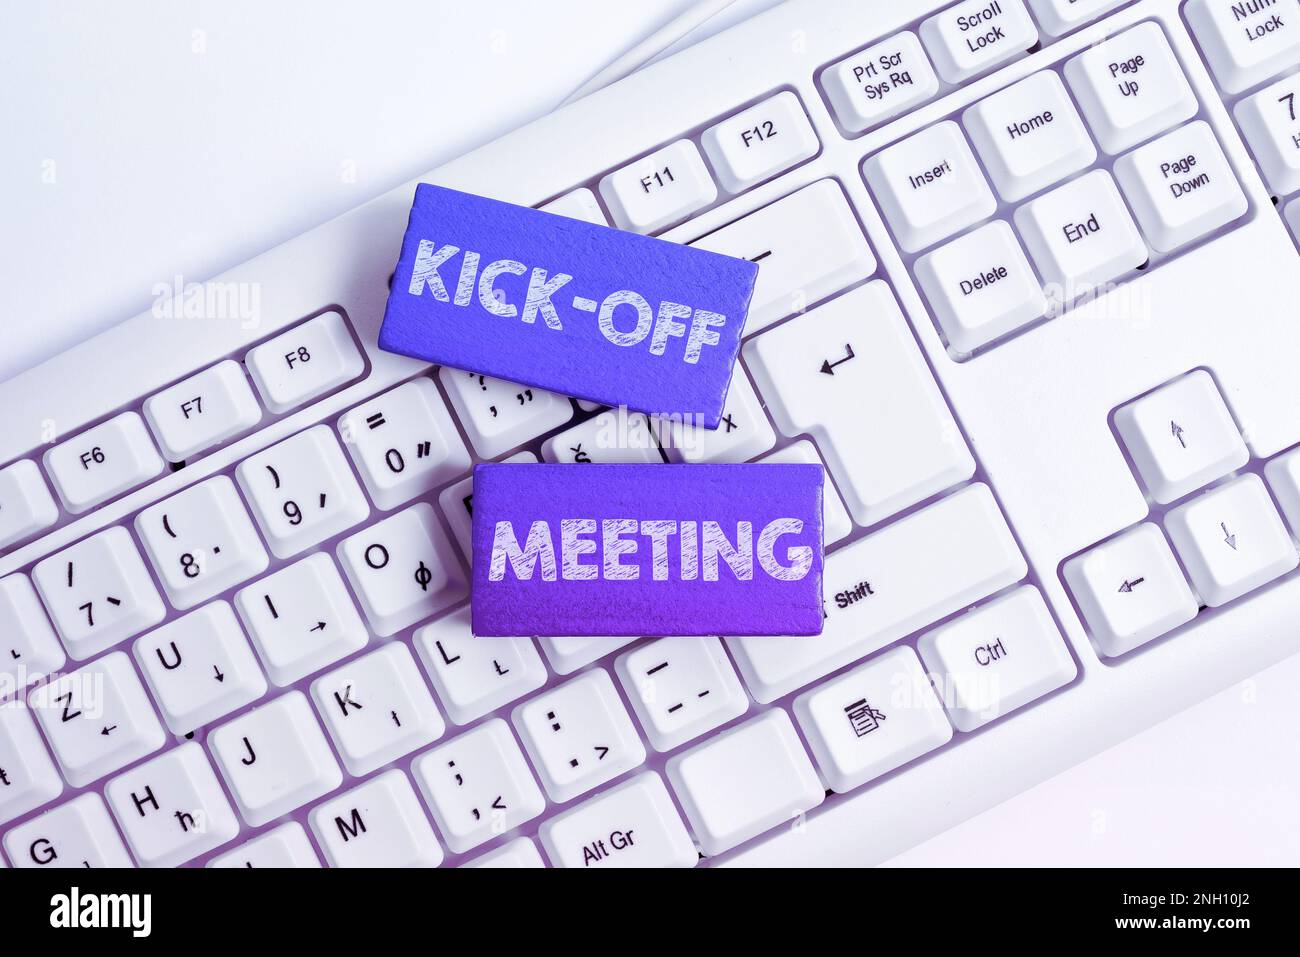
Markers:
<point>647,550</point>
<point>565,305</point>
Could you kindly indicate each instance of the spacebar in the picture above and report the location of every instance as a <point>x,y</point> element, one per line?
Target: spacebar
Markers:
<point>887,585</point>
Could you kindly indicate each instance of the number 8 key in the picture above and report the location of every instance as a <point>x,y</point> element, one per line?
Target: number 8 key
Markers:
<point>201,542</point>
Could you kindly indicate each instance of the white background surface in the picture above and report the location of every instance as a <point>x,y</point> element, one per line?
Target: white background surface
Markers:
<point>146,140</point>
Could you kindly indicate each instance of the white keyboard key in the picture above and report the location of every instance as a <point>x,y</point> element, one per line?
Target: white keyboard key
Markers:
<point>305,362</point>
<point>1029,136</point>
<point>500,415</point>
<point>976,35</point>
<point>1181,437</point>
<point>757,143</point>
<point>1081,236</point>
<point>377,708</point>
<point>377,824</point>
<point>871,720</point>
<point>579,204</point>
<point>1180,186</point>
<point>835,517</point>
<point>1246,42</point>
<point>281,847</point>
<point>457,504</point>
<point>614,435</point>
<point>566,655</point>
<point>97,719</point>
<point>26,506</point>
<point>1130,87</point>
<point>744,781</point>
<point>403,443</point>
<point>200,668</point>
<point>1282,475</point>
<point>1292,215</point>
<point>980,286</point>
<point>521,852</point>
<point>807,246</point>
<point>103,462</point>
<point>275,758</point>
<point>202,411</point>
<point>302,491</point>
<point>172,809</point>
<point>98,592</point>
<point>997,658</point>
<point>660,189</point>
<point>742,433</point>
<point>1058,17</point>
<point>201,542</point>
<point>929,186</point>
<point>578,735</point>
<point>884,80</point>
<point>28,778</point>
<point>28,645</point>
<point>886,586</point>
<point>478,786</point>
<point>403,570</point>
<point>1130,590</point>
<point>1271,125</point>
<point>822,372</point>
<point>301,619</point>
<point>632,825</point>
<point>681,688</point>
<point>476,676</point>
<point>78,833</point>
<point>1231,540</point>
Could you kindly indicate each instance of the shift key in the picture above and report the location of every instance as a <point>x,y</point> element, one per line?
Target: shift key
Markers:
<point>887,586</point>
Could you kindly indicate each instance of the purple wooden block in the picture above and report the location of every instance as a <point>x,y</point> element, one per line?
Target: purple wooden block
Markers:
<point>565,305</point>
<point>647,550</point>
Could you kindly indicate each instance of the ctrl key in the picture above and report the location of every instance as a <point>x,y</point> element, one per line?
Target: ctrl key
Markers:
<point>997,658</point>
<point>1130,590</point>
<point>633,825</point>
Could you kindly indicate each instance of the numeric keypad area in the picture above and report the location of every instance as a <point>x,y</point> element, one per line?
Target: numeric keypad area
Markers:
<point>1086,195</point>
<point>1253,52</point>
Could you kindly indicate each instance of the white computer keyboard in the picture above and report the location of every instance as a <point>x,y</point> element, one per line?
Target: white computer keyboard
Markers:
<point>1021,289</point>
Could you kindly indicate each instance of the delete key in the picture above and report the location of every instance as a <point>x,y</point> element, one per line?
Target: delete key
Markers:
<point>568,306</point>
<point>647,550</point>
